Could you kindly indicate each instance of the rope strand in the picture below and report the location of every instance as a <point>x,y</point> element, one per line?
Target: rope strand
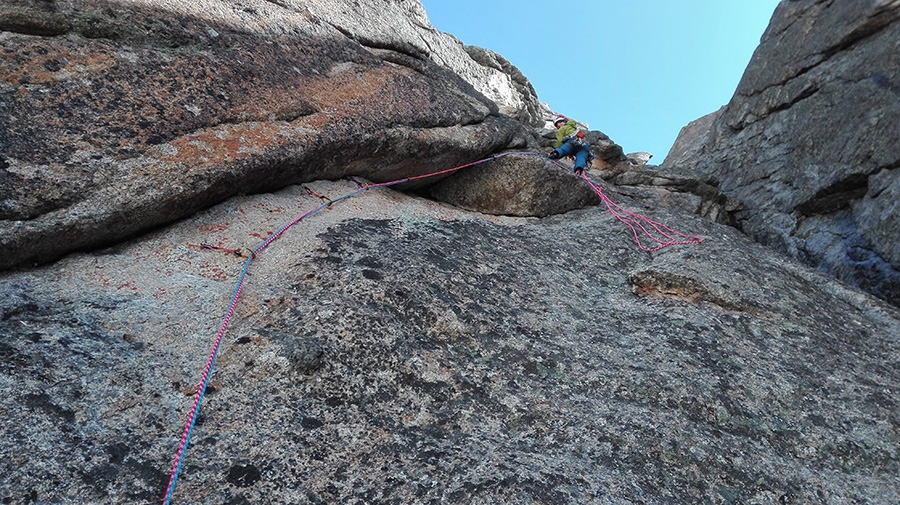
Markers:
<point>629,218</point>
<point>663,236</point>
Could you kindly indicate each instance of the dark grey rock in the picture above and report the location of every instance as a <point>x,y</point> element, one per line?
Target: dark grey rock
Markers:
<point>809,141</point>
<point>305,354</point>
<point>690,145</point>
<point>674,188</point>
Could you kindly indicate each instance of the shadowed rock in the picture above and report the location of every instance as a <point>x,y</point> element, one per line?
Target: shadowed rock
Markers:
<point>809,141</point>
<point>515,186</point>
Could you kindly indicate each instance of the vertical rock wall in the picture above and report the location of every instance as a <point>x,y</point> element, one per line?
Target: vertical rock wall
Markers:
<point>809,142</point>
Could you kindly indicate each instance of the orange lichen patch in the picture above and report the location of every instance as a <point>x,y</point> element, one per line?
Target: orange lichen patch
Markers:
<point>213,227</point>
<point>658,283</point>
<point>599,164</point>
<point>213,272</point>
<point>128,286</point>
<point>349,86</point>
<point>661,283</point>
<point>317,121</point>
<point>269,103</point>
<point>226,143</point>
<point>677,292</point>
<point>57,63</point>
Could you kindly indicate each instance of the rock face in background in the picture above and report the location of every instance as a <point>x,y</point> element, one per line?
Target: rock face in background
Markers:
<point>403,26</point>
<point>121,116</point>
<point>391,349</point>
<point>519,100</point>
<point>809,142</point>
<point>674,189</point>
<point>691,142</point>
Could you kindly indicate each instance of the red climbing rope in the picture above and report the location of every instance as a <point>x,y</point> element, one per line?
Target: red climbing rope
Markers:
<point>630,219</point>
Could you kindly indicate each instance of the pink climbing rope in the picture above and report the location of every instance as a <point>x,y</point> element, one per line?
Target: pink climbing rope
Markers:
<point>661,234</point>
<point>204,380</point>
<point>630,219</point>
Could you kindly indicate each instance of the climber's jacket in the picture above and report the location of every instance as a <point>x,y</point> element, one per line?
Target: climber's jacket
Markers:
<point>566,132</point>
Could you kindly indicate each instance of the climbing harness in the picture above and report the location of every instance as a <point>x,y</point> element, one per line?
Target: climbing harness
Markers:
<point>630,219</point>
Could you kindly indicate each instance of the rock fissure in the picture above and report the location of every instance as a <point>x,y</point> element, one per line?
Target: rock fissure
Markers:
<point>279,3</point>
<point>890,167</point>
<point>407,49</point>
<point>807,93</point>
<point>836,196</point>
<point>785,27</point>
<point>880,20</point>
<point>25,28</point>
<point>783,84</point>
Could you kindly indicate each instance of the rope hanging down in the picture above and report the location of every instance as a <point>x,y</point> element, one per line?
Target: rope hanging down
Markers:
<point>630,219</point>
<point>661,234</point>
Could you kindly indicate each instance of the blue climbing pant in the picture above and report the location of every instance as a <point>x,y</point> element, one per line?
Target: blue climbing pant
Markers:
<point>581,151</point>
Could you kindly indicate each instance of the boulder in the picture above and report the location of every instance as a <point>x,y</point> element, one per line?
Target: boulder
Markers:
<point>638,159</point>
<point>517,99</point>
<point>515,185</point>
<point>809,141</point>
<point>118,119</point>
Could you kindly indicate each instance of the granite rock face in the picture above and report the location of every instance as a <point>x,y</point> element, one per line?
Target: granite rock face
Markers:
<point>388,348</point>
<point>403,26</point>
<point>393,349</point>
<point>691,142</point>
<point>809,141</point>
<point>674,189</point>
<point>118,116</point>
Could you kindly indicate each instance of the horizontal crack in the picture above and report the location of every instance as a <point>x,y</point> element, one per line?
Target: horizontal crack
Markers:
<point>807,93</point>
<point>36,26</point>
<point>883,17</point>
<point>879,20</point>
<point>836,196</point>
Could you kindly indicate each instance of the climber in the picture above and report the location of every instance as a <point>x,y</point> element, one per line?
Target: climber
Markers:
<point>570,142</point>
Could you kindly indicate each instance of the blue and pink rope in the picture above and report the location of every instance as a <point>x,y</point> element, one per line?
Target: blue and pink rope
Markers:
<point>661,234</point>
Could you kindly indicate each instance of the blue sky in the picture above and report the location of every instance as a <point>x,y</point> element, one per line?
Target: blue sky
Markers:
<point>637,70</point>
